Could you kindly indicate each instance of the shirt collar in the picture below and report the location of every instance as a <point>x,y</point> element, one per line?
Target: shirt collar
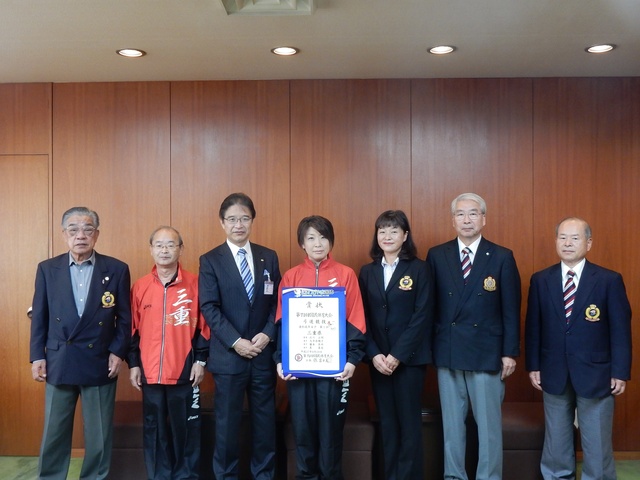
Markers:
<point>473,247</point>
<point>394,264</point>
<point>234,248</point>
<point>577,269</point>
<point>91,260</point>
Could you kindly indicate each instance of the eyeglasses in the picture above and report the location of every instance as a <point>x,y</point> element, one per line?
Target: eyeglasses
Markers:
<point>169,246</point>
<point>86,230</point>
<point>472,215</point>
<point>233,220</point>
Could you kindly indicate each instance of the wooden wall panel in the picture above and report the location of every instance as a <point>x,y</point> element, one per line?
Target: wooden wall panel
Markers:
<point>350,159</point>
<point>230,137</point>
<point>25,119</point>
<point>474,135</point>
<point>587,164</point>
<point>24,187</point>
<point>144,154</point>
<point>111,153</point>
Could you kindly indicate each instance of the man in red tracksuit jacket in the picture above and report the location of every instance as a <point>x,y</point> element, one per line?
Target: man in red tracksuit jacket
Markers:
<point>169,349</point>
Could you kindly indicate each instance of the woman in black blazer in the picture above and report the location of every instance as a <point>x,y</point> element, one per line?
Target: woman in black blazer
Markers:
<point>395,292</point>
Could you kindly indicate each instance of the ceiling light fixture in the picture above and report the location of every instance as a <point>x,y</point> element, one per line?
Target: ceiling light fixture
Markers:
<point>603,48</point>
<point>442,49</point>
<point>131,52</point>
<point>285,51</point>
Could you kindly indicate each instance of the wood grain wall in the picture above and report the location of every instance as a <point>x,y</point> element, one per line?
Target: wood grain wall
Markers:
<point>145,154</point>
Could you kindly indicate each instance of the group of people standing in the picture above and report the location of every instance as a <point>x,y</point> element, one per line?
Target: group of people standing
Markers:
<point>459,309</point>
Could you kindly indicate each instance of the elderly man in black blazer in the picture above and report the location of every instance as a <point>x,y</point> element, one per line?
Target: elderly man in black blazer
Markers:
<point>80,332</point>
<point>476,337</point>
<point>238,285</point>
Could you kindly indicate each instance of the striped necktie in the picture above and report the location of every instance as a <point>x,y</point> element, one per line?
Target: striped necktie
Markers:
<point>466,263</point>
<point>245,272</point>
<point>569,294</point>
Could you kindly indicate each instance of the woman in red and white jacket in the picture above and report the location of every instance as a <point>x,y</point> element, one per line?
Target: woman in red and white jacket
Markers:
<point>318,405</point>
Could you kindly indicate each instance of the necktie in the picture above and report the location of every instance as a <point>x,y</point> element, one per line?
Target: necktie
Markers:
<point>466,263</point>
<point>569,294</point>
<point>245,272</point>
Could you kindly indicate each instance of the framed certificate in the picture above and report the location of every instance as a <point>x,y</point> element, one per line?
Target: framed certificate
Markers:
<point>314,331</point>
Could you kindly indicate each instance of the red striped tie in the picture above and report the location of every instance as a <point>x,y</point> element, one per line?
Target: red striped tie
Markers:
<point>569,294</point>
<point>466,263</point>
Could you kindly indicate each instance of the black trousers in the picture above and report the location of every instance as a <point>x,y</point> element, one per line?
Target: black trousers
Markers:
<point>318,411</point>
<point>399,403</point>
<point>171,431</point>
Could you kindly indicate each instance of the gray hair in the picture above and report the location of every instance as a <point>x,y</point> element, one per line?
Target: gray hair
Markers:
<point>165,227</point>
<point>469,196</point>
<point>587,227</point>
<point>81,211</point>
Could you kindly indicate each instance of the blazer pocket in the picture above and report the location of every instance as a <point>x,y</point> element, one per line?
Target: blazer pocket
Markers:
<point>52,344</point>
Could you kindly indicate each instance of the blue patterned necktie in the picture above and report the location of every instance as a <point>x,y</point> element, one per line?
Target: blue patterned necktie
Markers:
<point>245,272</point>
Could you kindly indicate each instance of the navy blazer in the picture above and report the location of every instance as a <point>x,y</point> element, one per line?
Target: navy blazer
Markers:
<point>479,323</point>
<point>229,313</point>
<point>399,320</point>
<point>77,348</point>
<point>593,347</point>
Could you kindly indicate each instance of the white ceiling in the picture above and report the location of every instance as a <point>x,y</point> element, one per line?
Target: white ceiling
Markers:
<point>75,40</point>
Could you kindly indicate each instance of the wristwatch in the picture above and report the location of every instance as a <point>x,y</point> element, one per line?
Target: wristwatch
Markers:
<point>201,363</point>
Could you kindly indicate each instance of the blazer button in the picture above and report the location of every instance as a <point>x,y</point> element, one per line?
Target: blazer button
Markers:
<point>69,342</point>
<point>453,324</point>
<point>100,323</point>
<point>57,319</point>
<point>451,294</point>
<point>91,345</point>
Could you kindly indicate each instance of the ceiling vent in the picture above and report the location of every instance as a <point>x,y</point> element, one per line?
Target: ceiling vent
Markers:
<point>269,7</point>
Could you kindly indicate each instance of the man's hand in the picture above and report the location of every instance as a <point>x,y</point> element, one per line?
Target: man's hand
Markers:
<point>114,365</point>
<point>135,377</point>
<point>39,370</point>
<point>246,349</point>
<point>534,377</point>
<point>261,340</point>
<point>617,386</point>
<point>508,367</point>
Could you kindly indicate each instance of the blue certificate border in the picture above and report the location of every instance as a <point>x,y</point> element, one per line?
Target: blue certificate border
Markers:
<point>314,292</point>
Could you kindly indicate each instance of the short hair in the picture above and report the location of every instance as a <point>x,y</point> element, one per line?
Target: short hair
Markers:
<point>469,196</point>
<point>393,218</point>
<point>95,219</point>
<point>321,224</point>
<point>165,227</point>
<point>236,199</point>
<point>587,227</point>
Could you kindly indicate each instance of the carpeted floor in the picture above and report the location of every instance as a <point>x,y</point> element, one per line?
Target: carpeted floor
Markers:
<point>25,468</point>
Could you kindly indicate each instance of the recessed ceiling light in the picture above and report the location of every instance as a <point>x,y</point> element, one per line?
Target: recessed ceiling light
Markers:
<point>442,49</point>
<point>285,51</point>
<point>131,52</point>
<point>604,48</point>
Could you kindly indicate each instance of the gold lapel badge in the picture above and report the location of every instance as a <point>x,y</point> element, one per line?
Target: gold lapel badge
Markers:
<point>490,284</point>
<point>592,313</point>
<point>108,300</point>
<point>406,283</point>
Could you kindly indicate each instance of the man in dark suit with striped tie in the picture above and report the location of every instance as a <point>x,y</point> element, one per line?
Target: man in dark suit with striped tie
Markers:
<point>238,285</point>
<point>578,352</point>
<point>476,337</point>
